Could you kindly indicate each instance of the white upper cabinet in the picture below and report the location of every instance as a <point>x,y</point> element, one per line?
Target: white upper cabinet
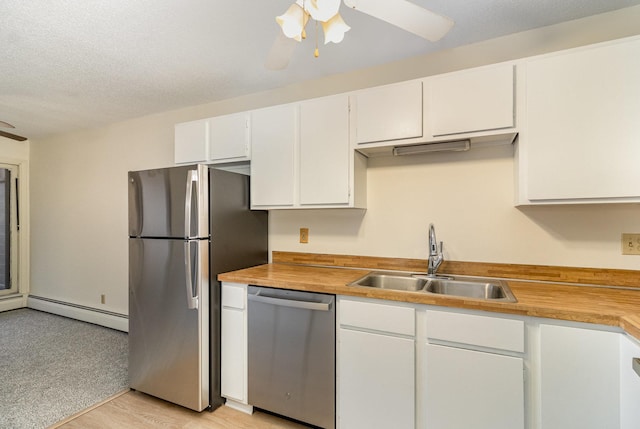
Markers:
<point>391,112</point>
<point>273,147</point>
<point>213,140</point>
<point>324,151</point>
<point>581,137</point>
<point>229,138</point>
<point>478,99</point>
<point>191,142</point>
<point>302,157</point>
<point>477,104</point>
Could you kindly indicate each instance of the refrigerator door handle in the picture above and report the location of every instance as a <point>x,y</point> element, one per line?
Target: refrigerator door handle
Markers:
<point>192,177</point>
<point>192,301</point>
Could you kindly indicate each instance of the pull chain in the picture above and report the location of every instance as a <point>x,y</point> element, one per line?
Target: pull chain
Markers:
<point>304,32</point>
<point>316,53</point>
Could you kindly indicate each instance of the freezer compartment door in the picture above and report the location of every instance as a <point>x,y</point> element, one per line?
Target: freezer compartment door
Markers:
<point>168,340</point>
<point>169,202</point>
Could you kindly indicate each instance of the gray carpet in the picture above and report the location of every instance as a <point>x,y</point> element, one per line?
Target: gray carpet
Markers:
<point>52,367</point>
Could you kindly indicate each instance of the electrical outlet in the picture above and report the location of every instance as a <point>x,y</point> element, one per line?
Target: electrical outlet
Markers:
<point>304,235</point>
<point>103,299</point>
<point>630,244</point>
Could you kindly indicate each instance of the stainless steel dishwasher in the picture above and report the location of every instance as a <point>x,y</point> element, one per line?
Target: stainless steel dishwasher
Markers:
<point>292,354</point>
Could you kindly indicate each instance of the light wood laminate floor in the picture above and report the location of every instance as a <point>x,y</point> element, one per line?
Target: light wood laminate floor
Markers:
<point>137,410</point>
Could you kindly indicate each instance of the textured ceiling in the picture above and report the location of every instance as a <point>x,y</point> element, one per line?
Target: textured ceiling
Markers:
<point>70,64</point>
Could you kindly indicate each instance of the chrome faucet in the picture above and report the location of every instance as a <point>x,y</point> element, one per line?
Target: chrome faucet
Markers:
<point>435,254</point>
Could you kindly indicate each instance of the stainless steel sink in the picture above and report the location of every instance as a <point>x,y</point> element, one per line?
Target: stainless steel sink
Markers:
<point>405,282</point>
<point>467,287</point>
<point>494,290</point>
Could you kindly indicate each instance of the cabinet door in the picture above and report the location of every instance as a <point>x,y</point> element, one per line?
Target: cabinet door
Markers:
<point>473,100</point>
<point>233,359</point>
<point>375,381</point>
<point>470,389</point>
<point>233,336</point>
<point>389,112</point>
<point>229,137</point>
<point>324,151</point>
<point>273,141</point>
<point>582,133</point>
<point>191,141</point>
<point>579,378</point>
<point>629,384</point>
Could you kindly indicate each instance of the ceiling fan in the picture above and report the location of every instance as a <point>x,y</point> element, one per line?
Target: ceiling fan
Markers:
<point>400,13</point>
<point>9,135</point>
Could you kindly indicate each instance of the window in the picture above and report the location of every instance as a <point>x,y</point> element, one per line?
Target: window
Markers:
<point>9,218</point>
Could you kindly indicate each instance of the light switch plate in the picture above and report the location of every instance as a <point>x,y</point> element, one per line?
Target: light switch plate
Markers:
<point>630,244</point>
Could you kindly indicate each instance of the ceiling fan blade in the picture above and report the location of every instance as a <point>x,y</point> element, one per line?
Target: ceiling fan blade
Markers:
<point>280,53</point>
<point>6,124</point>
<point>12,136</point>
<point>406,15</point>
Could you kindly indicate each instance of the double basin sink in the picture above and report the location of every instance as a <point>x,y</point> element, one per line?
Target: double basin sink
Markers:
<point>456,286</point>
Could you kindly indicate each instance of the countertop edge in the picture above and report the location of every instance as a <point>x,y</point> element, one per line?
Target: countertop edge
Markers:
<point>334,280</point>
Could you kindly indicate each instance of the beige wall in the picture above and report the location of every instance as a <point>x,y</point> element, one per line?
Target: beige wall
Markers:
<point>79,209</point>
<point>13,150</point>
<point>79,193</point>
<point>469,198</point>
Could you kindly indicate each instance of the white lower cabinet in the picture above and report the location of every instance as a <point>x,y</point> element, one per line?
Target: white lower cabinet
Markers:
<point>233,338</point>
<point>402,365</point>
<point>579,378</point>
<point>472,389</point>
<point>473,371</point>
<point>376,380</point>
<point>376,365</point>
<point>629,383</point>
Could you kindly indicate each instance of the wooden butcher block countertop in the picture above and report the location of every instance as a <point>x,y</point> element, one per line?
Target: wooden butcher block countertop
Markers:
<point>614,301</point>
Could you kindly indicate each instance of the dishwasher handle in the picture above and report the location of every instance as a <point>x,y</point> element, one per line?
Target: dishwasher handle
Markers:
<point>293,303</point>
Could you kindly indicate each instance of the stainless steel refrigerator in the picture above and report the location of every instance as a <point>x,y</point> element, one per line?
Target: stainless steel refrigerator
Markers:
<point>186,225</point>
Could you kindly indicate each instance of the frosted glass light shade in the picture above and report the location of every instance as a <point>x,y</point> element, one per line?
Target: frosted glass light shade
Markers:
<point>322,10</point>
<point>293,21</point>
<point>334,29</point>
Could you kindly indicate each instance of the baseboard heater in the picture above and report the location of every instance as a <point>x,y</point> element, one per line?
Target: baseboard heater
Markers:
<point>98,316</point>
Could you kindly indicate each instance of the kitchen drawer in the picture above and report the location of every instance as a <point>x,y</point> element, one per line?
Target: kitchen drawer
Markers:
<point>393,319</point>
<point>234,295</point>
<point>472,329</point>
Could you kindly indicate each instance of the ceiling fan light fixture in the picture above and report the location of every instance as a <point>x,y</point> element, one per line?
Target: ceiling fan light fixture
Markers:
<point>322,10</point>
<point>293,21</point>
<point>334,29</point>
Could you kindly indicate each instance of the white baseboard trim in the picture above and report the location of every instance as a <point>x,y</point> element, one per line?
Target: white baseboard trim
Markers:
<point>78,312</point>
<point>12,302</point>
<point>239,406</point>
